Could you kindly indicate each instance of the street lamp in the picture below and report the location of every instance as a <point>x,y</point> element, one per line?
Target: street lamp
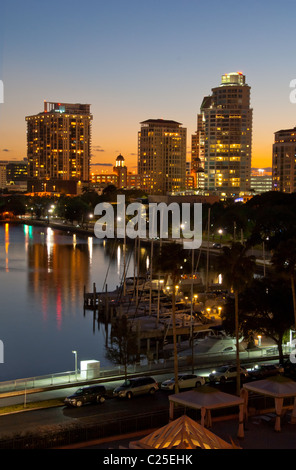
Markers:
<point>75,354</point>
<point>160,282</point>
<point>220,231</point>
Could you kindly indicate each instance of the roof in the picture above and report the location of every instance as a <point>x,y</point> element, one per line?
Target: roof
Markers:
<point>206,397</point>
<point>183,433</point>
<point>161,121</point>
<point>276,386</point>
<point>293,129</point>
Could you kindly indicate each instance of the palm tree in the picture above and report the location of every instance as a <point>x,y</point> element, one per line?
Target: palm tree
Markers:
<point>237,269</point>
<point>284,260</point>
<point>169,261</point>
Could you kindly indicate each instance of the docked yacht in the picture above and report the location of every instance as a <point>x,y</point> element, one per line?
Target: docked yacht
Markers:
<point>214,343</point>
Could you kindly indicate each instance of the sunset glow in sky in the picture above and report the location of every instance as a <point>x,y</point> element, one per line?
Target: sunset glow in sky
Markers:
<point>134,60</point>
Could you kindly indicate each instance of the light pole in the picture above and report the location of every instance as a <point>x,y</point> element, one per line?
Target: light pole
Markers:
<point>75,354</point>
<point>90,217</point>
<point>220,231</point>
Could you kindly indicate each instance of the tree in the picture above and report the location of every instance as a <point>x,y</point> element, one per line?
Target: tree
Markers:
<point>76,209</point>
<point>91,198</point>
<point>123,349</point>
<point>273,217</point>
<point>109,193</point>
<point>237,270</point>
<point>284,260</point>
<point>14,204</point>
<point>266,308</point>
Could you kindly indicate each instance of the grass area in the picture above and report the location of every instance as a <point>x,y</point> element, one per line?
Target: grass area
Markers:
<point>31,406</point>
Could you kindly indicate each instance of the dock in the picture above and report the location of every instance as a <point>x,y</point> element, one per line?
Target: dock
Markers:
<point>149,312</point>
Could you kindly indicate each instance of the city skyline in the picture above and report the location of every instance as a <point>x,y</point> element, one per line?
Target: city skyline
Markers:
<point>132,64</point>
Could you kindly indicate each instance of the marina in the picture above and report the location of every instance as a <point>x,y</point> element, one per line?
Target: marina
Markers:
<point>58,275</point>
<point>147,304</point>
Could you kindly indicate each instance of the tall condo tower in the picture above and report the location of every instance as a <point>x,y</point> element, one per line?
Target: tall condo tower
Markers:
<point>284,161</point>
<point>162,156</point>
<point>224,136</point>
<point>59,141</point>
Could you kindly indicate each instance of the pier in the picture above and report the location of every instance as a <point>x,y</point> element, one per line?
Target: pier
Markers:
<point>149,311</point>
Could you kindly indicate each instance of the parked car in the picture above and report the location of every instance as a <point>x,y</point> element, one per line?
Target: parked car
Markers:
<point>265,370</point>
<point>136,386</point>
<point>184,381</point>
<point>217,245</point>
<point>84,395</point>
<point>225,373</point>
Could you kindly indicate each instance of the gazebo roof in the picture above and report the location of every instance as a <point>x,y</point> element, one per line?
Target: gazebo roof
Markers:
<point>206,397</point>
<point>183,433</point>
<point>277,386</point>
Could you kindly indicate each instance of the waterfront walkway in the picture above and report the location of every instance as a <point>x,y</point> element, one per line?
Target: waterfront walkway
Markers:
<point>202,364</point>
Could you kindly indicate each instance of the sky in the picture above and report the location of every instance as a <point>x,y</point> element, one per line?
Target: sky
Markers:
<point>134,60</point>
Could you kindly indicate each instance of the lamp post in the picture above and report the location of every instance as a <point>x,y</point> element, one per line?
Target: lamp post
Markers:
<point>160,281</point>
<point>75,354</point>
<point>90,217</point>
<point>220,231</point>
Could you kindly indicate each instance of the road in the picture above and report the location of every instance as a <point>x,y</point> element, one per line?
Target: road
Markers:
<point>61,416</point>
<point>111,409</point>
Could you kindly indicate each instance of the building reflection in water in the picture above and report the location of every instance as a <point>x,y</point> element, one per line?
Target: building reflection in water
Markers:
<point>7,247</point>
<point>90,242</point>
<point>57,274</point>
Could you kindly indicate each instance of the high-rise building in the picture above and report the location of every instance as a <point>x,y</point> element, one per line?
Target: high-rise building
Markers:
<point>3,174</point>
<point>261,180</point>
<point>59,141</point>
<point>16,171</point>
<point>162,156</point>
<point>284,161</point>
<point>223,142</point>
<point>198,152</point>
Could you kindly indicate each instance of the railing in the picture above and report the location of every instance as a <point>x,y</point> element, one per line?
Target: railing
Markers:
<point>81,433</point>
<point>203,361</point>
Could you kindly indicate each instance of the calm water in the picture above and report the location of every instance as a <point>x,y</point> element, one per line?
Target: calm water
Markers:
<point>42,276</point>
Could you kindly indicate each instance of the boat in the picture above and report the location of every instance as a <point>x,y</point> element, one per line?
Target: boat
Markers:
<point>214,343</point>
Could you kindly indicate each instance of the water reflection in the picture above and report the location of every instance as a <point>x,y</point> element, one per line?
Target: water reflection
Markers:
<point>42,277</point>
<point>49,246</point>
<point>7,247</point>
<point>90,248</point>
<point>57,274</point>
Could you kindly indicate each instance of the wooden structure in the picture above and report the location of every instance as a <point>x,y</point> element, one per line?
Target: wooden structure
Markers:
<point>206,399</point>
<point>279,387</point>
<point>183,433</point>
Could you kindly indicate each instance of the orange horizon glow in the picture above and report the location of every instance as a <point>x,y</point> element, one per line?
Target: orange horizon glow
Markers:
<point>127,147</point>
